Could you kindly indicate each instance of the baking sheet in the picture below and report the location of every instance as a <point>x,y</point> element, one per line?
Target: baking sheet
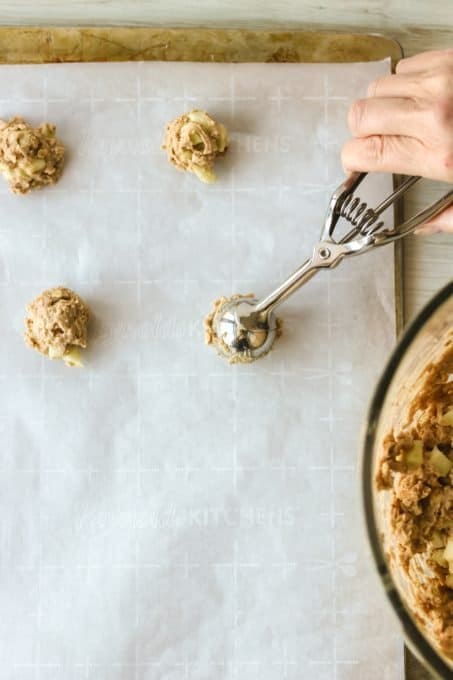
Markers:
<point>165,515</point>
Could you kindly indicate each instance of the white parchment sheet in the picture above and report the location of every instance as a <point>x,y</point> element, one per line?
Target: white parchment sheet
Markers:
<point>165,515</point>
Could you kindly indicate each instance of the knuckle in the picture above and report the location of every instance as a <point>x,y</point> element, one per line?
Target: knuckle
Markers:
<point>437,112</point>
<point>356,115</point>
<point>375,148</point>
<point>418,83</point>
<point>440,83</point>
<point>442,112</point>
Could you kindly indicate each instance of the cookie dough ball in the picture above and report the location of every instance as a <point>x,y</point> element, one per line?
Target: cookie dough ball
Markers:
<point>193,141</point>
<point>56,325</point>
<point>30,157</point>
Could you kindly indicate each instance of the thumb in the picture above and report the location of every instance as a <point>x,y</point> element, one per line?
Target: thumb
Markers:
<point>442,222</point>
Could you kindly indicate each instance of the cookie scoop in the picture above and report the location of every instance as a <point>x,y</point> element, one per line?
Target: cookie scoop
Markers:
<point>243,329</point>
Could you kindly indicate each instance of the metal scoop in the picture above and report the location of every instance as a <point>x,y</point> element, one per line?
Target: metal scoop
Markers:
<point>245,329</point>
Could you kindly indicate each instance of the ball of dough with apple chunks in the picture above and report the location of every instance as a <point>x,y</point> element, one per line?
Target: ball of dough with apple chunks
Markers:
<point>193,141</point>
<point>30,158</point>
<point>56,325</point>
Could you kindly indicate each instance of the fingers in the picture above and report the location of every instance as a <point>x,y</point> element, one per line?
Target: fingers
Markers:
<point>397,85</point>
<point>385,116</point>
<point>442,222</point>
<point>391,153</point>
<point>405,123</point>
<point>424,61</point>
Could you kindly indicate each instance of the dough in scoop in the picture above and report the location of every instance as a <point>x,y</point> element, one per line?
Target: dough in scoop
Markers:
<point>255,337</point>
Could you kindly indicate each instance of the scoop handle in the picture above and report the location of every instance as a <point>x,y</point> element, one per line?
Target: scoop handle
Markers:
<point>326,255</point>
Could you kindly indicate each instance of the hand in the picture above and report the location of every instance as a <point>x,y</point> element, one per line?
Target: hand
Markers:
<point>405,125</point>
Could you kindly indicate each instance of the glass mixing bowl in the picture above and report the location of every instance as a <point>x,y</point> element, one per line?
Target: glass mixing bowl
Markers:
<point>423,342</point>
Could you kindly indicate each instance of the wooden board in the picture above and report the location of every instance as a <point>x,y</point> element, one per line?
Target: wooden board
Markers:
<point>41,45</point>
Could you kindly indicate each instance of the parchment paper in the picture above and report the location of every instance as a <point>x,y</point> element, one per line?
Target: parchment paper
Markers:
<point>164,514</point>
